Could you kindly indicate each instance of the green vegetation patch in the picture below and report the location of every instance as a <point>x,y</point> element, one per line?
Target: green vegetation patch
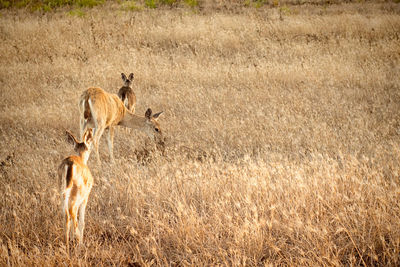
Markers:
<point>4,4</point>
<point>77,12</point>
<point>192,3</point>
<point>89,3</point>
<point>131,6</point>
<point>136,5</point>
<point>47,5</point>
<point>151,3</point>
<point>171,3</point>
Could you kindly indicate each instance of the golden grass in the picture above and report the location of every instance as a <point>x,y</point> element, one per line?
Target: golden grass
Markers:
<point>283,135</point>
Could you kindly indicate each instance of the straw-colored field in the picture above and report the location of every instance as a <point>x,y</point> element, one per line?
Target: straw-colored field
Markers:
<point>282,126</point>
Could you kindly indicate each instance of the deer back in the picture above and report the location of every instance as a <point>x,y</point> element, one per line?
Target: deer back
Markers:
<point>105,108</point>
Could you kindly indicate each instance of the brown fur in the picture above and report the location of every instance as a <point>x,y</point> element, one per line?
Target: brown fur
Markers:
<point>68,162</point>
<point>105,103</point>
<point>102,111</point>
<point>76,183</point>
<point>87,110</point>
<point>126,93</point>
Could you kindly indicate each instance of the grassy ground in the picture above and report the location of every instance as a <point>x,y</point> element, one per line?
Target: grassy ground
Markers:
<point>283,130</point>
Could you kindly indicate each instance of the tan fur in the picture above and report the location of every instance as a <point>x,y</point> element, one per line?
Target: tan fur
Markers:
<point>76,184</point>
<point>102,111</point>
<point>126,93</point>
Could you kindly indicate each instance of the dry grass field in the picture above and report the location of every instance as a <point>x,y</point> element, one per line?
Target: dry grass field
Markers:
<point>282,126</point>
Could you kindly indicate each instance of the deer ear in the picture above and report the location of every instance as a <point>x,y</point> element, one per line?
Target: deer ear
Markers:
<point>123,76</point>
<point>88,136</point>
<point>131,77</point>
<point>155,116</point>
<point>148,113</point>
<point>71,138</point>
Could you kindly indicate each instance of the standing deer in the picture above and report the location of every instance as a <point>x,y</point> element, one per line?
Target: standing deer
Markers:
<point>102,110</point>
<point>76,184</point>
<point>126,93</point>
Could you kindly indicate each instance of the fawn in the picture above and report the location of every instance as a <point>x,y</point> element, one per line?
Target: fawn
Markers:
<point>126,93</point>
<point>76,184</point>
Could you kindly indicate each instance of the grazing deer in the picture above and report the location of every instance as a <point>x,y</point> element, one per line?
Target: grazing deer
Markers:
<point>76,183</point>
<point>126,93</point>
<point>103,111</point>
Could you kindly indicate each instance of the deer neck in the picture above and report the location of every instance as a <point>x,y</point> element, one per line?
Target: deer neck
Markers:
<point>133,121</point>
<point>84,156</point>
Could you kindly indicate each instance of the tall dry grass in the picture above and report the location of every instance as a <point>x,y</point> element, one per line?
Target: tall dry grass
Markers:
<point>283,135</point>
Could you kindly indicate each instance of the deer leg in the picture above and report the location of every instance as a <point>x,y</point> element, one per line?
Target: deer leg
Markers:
<point>74,214</point>
<point>97,135</point>
<point>110,140</point>
<point>67,229</point>
<point>82,127</point>
<point>82,209</point>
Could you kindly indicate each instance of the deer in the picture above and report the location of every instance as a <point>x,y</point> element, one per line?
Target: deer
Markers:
<point>103,111</point>
<point>76,182</point>
<point>126,93</point>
